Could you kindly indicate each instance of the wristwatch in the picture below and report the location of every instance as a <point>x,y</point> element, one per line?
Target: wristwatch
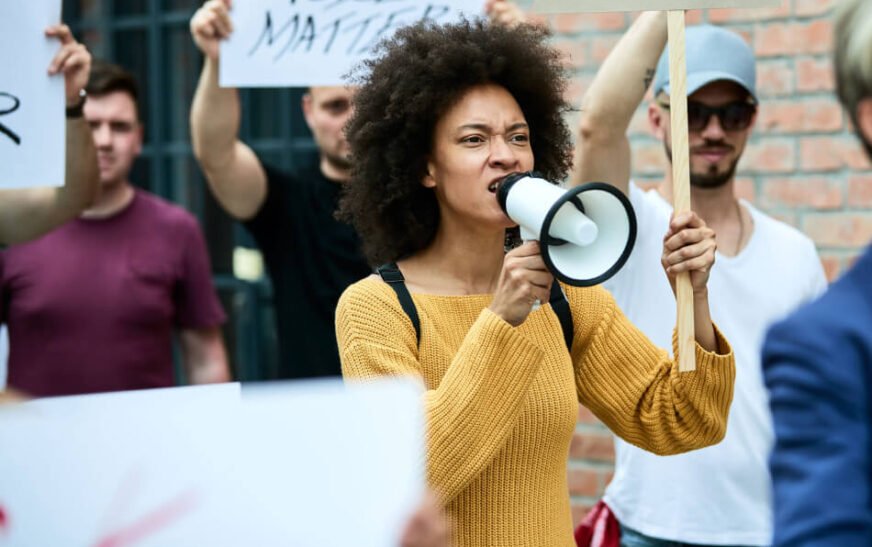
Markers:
<point>77,110</point>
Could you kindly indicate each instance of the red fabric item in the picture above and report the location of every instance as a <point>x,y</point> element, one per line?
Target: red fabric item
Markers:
<point>599,528</point>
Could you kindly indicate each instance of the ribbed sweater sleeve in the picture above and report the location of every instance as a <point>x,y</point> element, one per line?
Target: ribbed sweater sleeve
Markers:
<point>635,388</point>
<point>472,411</point>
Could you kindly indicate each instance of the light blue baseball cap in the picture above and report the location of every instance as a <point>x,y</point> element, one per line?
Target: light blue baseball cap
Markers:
<point>713,54</point>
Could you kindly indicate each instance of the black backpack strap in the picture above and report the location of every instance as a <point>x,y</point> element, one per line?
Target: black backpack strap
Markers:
<point>392,275</point>
<point>561,308</point>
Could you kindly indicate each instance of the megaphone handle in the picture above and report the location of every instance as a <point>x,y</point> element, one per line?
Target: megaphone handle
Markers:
<point>527,235</point>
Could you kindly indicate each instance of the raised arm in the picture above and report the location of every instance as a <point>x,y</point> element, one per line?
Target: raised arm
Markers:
<point>26,214</point>
<point>636,389</point>
<point>603,150</point>
<point>234,173</point>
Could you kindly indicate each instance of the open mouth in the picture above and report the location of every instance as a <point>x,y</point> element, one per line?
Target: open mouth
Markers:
<point>495,185</point>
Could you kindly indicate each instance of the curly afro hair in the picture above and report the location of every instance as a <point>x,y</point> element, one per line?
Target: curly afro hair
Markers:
<point>416,76</point>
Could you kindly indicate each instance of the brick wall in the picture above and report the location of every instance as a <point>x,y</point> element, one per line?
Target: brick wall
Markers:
<point>802,165</point>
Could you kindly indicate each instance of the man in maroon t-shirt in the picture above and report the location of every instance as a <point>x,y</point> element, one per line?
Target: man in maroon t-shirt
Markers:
<point>93,305</point>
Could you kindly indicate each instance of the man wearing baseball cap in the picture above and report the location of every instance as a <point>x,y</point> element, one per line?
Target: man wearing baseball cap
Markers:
<point>763,270</point>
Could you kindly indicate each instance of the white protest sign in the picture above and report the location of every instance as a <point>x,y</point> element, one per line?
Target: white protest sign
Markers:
<point>224,395</point>
<point>32,124</point>
<point>317,42</point>
<point>311,464</point>
<point>569,6</point>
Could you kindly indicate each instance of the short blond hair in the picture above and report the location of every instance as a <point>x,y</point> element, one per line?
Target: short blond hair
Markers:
<point>853,56</point>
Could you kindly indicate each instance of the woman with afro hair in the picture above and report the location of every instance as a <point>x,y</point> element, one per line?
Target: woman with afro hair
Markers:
<point>443,114</point>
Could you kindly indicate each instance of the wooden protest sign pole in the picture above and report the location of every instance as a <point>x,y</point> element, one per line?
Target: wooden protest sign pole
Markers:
<point>678,109</point>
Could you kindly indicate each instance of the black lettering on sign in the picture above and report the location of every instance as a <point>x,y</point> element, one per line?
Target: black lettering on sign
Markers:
<point>353,32</point>
<point>7,97</point>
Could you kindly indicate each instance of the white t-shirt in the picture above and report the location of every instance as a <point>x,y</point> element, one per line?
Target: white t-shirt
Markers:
<point>718,495</point>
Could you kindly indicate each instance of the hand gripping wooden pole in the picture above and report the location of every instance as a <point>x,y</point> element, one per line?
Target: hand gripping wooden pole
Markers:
<point>678,121</point>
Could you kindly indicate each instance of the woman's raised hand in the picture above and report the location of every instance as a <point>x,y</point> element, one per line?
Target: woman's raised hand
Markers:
<point>689,246</point>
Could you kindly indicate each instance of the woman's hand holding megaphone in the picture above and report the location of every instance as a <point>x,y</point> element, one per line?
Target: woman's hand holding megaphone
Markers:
<point>689,246</point>
<point>524,280</point>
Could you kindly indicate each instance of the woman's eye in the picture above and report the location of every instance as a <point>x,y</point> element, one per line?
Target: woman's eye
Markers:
<point>473,139</point>
<point>519,138</point>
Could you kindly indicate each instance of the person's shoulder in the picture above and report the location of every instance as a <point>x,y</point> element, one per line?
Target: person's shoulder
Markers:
<point>306,171</point>
<point>778,230</point>
<point>369,291</point>
<point>369,310</point>
<point>836,319</point>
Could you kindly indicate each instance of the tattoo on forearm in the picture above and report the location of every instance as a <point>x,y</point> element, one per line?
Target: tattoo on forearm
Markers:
<point>649,77</point>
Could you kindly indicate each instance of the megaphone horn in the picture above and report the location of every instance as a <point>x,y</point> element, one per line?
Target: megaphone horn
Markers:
<point>586,233</point>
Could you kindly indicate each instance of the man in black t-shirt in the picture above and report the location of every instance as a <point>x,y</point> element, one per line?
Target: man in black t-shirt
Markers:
<point>310,256</point>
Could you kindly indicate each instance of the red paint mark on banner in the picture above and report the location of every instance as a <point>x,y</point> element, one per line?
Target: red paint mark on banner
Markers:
<point>4,520</point>
<point>150,524</point>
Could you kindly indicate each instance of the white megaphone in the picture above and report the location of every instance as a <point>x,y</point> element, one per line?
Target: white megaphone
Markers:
<point>586,234</point>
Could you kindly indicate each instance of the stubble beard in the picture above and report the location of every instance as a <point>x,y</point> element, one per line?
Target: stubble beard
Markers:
<point>710,179</point>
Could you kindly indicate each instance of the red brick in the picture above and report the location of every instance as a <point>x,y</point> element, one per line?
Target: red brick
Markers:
<point>736,15</point>
<point>831,153</point>
<point>538,19</point>
<point>832,265</point>
<point>808,116</point>
<point>839,230</point>
<point>798,191</point>
<point>585,416</point>
<point>775,78</point>
<point>744,188</point>
<point>769,154</point>
<point>592,446</point>
<point>583,482</point>
<point>815,75</point>
<point>775,39</point>
<point>601,46</point>
<point>815,37</point>
<point>575,90</point>
<point>568,23</point>
<point>694,17</point>
<point>574,52</point>
<point>860,191</point>
<point>810,8</point>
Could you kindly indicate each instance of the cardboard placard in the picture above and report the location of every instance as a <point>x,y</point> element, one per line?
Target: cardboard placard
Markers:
<point>317,42</point>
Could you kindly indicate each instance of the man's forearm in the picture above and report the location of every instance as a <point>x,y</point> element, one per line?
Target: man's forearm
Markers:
<point>622,80</point>
<point>28,213</point>
<point>82,172</point>
<point>209,372</point>
<point>215,118</point>
<point>205,356</point>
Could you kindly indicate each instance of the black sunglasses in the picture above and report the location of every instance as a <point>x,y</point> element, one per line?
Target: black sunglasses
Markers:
<point>732,117</point>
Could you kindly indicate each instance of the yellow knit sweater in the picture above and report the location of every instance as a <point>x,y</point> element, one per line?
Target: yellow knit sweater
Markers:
<point>501,401</point>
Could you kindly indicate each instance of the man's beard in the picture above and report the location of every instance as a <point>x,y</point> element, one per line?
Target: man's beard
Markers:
<point>711,179</point>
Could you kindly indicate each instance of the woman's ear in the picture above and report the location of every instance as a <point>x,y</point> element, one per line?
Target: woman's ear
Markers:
<point>429,181</point>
